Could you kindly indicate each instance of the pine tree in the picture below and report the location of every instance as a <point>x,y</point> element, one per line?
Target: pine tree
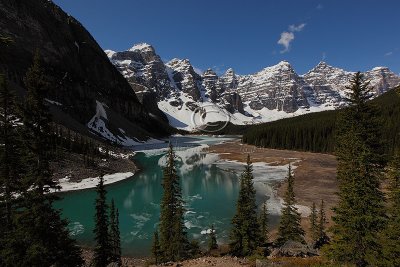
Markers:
<point>321,236</point>
<point>9,155</point>
<point>245,233</point>
<point>360,213</point>
<point>173,237</point>
<point>156,248</point>
<point>115,239</point>
<point>321,221</point>
<point>263,221</point>
<point>212,241</point>
<point>40,237</point>
<point>389,238</point>
<point>102,251</point>
<point>313,223</point>
<point>289,225</point>
<point>9,166</point>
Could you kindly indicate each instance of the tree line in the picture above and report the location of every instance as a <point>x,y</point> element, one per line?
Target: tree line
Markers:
<point>316,132</point>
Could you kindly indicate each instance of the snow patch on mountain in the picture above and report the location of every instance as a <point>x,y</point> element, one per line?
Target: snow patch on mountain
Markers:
<point>98,125</point>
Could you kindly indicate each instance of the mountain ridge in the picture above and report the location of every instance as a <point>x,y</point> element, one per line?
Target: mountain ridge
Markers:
<point>272,93</point>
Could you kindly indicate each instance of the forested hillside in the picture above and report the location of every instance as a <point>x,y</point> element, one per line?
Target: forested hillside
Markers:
<point>316,132</point>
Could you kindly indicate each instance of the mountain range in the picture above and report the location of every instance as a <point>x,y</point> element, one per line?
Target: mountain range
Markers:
<point>130,96</point>
<point>273,93</point>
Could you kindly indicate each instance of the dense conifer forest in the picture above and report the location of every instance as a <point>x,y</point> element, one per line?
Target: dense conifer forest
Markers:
<point>316,132</point>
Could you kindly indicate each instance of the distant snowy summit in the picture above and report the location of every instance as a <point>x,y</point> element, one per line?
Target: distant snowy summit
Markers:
<point>275,92</point>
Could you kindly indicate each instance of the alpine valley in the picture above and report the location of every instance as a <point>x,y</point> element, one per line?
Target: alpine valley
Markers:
<point>275,92</point>
<point>125,159</point>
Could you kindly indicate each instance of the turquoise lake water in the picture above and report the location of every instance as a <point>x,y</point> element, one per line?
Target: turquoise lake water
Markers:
<point>209,191</point>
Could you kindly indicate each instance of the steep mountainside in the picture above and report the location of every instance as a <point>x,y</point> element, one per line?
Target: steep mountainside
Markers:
<point>88,94</point>
<point>273,93</point>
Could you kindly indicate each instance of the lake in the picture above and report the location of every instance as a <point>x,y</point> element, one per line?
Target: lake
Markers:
<point>210,189</point>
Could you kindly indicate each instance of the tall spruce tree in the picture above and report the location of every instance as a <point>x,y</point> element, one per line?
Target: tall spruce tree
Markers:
<point>289,224</point>
<point>9,154</point>
<point>102,251</point>
<point>245,233</point>
<point>212,241</point>
<point>156,248</point>
<point>40,237</point>
<point>360,213</point>
<point>263,222</point>
<point>173,237</point>
<point>389,238</point>
<point>9,165</point>
<point>313,223</point>
<point>115,239</point>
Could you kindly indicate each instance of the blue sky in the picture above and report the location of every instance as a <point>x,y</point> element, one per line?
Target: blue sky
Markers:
<point>250,35</point>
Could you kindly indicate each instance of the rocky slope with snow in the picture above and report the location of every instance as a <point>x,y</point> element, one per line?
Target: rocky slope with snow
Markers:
<point>82,80</point>
<point>272,93</point>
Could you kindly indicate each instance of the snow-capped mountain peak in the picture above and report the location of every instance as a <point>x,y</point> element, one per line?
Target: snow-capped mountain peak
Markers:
<point>274,92</point>
<point>179,64</point>
<point>144,47</point>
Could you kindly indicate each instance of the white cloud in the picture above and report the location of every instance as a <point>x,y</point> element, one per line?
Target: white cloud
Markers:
<point>323,55</point>
<point>320,6</point>
<point>286,38</point>
<point>388,54</point>
<point>298,28</point>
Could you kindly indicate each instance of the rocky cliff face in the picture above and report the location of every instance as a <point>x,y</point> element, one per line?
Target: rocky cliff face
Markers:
<point>80,73</point>
<point>277,87</point>
<point>272,93</point>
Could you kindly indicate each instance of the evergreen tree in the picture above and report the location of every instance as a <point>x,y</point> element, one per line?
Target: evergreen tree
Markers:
<point>156,248</point>
<point>102,251</point>
<point>9,155</point>
<point>313,223</point>
<point>321,221</point>
<point>115,239</point>
<point>263,221</point>
<point>360,213</point>
<point>322,237</point>
<point>212,241</point>
<point>289,225</point>
<point>389,238</point>
<point>173,237</point>
<point>245,234</point>
<point>9,165</point>
<point>40,237</point>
